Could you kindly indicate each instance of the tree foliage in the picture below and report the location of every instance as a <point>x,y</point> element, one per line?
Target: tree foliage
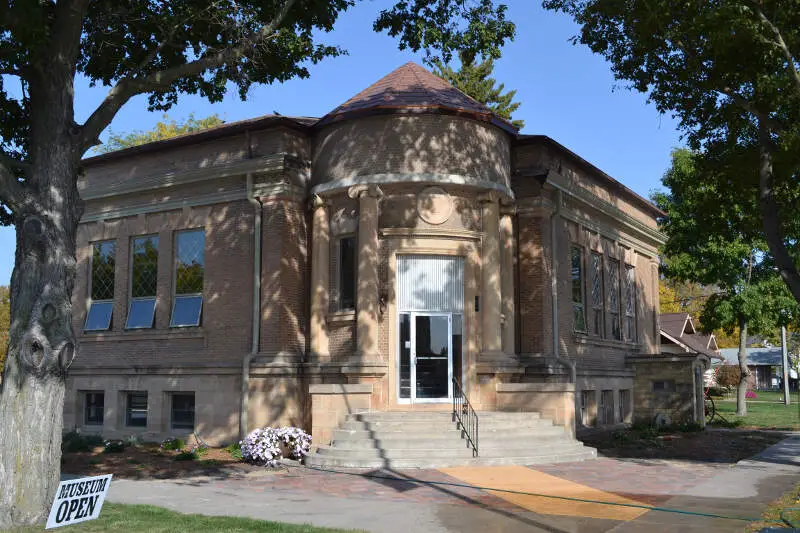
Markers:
<point>713,239</point>
<point>730,73</point>
<point>164,129</point>
<point>474,80</point>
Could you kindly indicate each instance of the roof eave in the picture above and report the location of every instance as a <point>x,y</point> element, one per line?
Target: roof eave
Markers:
<point>523,139</point>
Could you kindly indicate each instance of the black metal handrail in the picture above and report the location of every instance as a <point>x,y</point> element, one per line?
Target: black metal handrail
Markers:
<point>466,416</point>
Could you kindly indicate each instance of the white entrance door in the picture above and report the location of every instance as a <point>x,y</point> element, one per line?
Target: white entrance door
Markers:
<point>430,320</point>
<point>426,357</point>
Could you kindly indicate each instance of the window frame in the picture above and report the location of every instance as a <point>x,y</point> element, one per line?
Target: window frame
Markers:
<point>340,272</point>
<point>614,290</point>
<point>90,284</point>
<point>624,399</point>
<point>129,409</point>
<point>629,283</point>
<point>605,407</point>
<point>577,307</point>
<point>131,298</point>
<point>598,307</point>
<point>586,402</point>
<point>175,295</point>
<point>172,424</point>
<point>86,421</point>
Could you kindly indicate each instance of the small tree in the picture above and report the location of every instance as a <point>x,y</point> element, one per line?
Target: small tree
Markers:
<point>474,79</point>
<point>728,376</point>
<point>164,129</point>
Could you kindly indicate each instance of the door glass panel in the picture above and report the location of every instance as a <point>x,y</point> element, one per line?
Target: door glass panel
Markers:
<point>432,347</point>
<point>405,355</point>
<point>457,340</point>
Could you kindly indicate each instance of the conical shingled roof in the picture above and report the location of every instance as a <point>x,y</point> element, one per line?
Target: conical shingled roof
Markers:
<point>413,89</point>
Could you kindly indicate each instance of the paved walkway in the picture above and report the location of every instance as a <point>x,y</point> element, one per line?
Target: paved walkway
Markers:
<point>404,503</point>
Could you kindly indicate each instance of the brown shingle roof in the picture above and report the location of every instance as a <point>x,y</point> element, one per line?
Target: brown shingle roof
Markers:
<point>409,89</point>
<point>676,325</point>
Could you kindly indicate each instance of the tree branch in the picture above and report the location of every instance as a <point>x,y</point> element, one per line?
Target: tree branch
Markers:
<point>780,43</point>
<point>745,104</point>
<point>132,84</point>
<point>14,163</point>
<point>11,191</point>
<point>773,231</point>
<point>66,41</point>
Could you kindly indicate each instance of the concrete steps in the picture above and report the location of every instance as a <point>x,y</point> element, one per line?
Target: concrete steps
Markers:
<point>417,439</point>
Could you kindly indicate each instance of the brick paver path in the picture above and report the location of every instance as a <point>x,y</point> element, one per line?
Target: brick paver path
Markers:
<point>650,482</point>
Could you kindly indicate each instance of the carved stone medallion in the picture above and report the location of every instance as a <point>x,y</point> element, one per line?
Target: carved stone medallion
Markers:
<point>434,205</point>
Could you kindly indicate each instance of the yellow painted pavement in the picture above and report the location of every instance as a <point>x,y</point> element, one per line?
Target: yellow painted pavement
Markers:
<point>523,479</point>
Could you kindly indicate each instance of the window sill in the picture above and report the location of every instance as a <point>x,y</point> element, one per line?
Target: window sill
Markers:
<point>133,335</point>
<point>583,338</point>
<point>342,316</point>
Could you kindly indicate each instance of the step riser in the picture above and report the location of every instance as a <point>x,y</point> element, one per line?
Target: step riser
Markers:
<point>406,453</point>
<point>526,433</point>
<point>421,463</point>
<point>442,426</point>
<point>428,417</point>
<point>447,444</point>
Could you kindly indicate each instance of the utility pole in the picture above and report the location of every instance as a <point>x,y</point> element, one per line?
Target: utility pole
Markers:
<point>785,353</point>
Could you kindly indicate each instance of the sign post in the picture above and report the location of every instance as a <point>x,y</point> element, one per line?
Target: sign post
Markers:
<point>78,500</point>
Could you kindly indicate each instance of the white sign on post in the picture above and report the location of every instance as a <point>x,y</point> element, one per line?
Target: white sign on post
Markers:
<point>78,500</point>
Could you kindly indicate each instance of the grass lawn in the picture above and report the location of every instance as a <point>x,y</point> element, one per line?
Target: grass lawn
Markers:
<point>772,514</point>
<point>763,415</point>
<point>150,519</point>
<point>765,396</point>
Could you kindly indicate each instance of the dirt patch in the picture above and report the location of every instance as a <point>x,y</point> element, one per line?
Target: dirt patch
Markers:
<point>149,461</point>
<point>711,446</point>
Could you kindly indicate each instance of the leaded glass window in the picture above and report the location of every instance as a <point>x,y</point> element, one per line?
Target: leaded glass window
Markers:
<point>630,303</point>
<point>189,274</point>
<point>576,274</point>
<point>144,282</point>
<point>101,286</point>
<point>613,297</point>
<point>597,295</point>
<point>347,273</point>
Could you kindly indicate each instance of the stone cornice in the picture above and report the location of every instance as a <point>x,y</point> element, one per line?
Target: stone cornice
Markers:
<point>640,229</point>
<point>264,192</point>
<point>333,186</point>
<point>431,233</point>
<point>267,164</point>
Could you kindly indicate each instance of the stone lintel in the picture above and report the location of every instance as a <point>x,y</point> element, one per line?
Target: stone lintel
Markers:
<point>340,388</point>
<point>535,387</point>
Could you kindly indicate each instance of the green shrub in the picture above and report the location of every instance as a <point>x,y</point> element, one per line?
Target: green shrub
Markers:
<point>235,450</point>
<point>75,442</point>
<point>173,443</point>
<point>114,446</point>
<point>187,455</point>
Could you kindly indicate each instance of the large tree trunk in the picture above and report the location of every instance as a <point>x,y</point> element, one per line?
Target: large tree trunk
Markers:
<point>744,378</point>
<point>42,343</point>
<point>773,228</point>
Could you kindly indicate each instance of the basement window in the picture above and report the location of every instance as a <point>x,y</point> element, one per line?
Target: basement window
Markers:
<point>182,414</point>
<point>136,409</point>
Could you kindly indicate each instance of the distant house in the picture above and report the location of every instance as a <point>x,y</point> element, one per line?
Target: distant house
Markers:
<point>679,335</point>
<point>764,364</point>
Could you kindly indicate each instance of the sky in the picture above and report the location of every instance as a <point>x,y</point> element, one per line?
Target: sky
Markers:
<point>566,93</point>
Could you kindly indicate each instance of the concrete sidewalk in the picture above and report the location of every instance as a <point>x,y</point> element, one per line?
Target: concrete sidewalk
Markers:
<point>407,504</point>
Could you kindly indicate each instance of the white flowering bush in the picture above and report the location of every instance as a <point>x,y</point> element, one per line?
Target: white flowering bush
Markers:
<point>265,446</point>
<point>297,441</point>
